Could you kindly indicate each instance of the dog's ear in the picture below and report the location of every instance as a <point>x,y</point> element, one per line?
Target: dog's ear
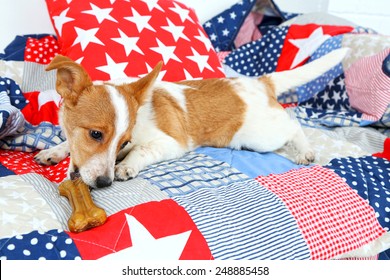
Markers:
<point>141,86</point>
<point>72,78</point>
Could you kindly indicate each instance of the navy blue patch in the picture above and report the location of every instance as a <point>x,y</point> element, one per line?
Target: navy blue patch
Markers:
<point>51,245</point>
<point>370,177</point>
<point>11,92</point>
<point>258,57</point>
<point>223,28</point>
<point>4,171</point>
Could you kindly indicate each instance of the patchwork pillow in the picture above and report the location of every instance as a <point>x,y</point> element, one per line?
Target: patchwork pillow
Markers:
<point>116,39</point>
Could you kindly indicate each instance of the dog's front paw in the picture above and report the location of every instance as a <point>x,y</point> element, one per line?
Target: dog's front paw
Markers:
<point>51,156</point>
<point>125,172</point>
<point>306,158</point>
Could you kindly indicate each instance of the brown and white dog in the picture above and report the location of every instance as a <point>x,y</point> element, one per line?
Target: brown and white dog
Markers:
<point>145,121</point>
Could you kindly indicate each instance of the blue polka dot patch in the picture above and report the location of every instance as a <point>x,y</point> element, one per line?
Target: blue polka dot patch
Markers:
<point>11,91</point>
<point>370,177</point>
<point>51,245</point>
<point>258,57</point>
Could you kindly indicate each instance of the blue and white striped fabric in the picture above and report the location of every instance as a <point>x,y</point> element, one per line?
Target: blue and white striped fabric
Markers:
<point>238,217</point>
<point>244,220</point>
<point>192,172</point>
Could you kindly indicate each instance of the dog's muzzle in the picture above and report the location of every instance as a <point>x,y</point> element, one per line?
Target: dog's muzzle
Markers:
<point>101,181</point>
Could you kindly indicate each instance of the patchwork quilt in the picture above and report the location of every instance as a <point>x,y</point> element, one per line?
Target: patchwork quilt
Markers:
<point>212,203</point>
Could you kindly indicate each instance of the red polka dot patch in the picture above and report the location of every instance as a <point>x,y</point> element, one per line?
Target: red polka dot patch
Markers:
<point>23,163</point>
<point>42,50</point>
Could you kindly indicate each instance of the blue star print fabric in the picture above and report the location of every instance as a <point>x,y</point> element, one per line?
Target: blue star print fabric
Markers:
<point>308,90</point>
<point>223,29</point>
<point>370,177</point>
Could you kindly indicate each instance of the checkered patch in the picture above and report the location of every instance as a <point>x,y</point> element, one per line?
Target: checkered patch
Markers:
<point>306,193</point>
<point>189,173</point>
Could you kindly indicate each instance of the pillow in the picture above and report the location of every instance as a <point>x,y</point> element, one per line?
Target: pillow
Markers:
<point>128,38</point>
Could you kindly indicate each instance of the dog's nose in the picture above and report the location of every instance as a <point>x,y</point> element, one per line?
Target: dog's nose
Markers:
<point>103,181</point>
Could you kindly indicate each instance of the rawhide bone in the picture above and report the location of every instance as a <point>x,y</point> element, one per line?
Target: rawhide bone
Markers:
<point>85,214</point>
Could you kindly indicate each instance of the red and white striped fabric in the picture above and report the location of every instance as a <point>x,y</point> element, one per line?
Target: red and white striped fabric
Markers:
<point>368,86</point>
<point>249,30</point>
<point>322,189</point>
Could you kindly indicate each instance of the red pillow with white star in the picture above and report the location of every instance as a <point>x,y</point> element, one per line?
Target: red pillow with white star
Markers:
<point>116,39</point>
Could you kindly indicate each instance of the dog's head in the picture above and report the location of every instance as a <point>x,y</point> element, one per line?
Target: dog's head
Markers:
<point>97,118</point>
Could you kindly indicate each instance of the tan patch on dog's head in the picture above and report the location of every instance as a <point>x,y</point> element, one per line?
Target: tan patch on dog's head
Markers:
<point>72,78</point>
<point>86,109</point>
<point>93,112</point>
<point>215,111</point>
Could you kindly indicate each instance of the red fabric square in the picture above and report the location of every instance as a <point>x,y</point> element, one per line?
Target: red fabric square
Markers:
<point>156,221</point>
<point>302,40</point>
<point>42,50</point>
<point>23,163</point>
<point>128,38</point>
<point>42,107</point>
<point>386,150</point>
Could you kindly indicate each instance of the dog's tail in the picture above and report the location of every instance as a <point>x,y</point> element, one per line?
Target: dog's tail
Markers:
<point>285,80</point>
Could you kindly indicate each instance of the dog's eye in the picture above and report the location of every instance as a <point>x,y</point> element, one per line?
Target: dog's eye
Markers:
<point>124,144</point>
<point>96,135</point>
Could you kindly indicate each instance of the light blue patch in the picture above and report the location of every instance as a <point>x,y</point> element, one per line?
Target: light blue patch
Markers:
<point>251,163</point>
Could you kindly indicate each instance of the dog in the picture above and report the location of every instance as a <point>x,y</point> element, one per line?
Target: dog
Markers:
<point>145,121</point>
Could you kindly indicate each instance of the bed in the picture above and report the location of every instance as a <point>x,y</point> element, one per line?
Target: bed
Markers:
<point>213,203</point>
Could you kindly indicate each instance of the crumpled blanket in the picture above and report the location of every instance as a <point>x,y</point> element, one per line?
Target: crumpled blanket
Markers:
<point>11,118</point>
<point>29,107</point>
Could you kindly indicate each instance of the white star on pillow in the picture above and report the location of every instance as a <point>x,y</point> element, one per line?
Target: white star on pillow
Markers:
<point>146,247</point>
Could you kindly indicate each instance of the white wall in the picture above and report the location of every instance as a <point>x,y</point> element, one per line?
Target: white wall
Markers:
<point>19,17</point>
<point>367,13</point>
<point>370,13</point>
<point>206,9</point>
